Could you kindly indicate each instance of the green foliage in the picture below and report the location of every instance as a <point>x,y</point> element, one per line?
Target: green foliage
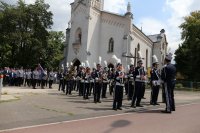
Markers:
<point>187,55</point>
<point>24,37</point>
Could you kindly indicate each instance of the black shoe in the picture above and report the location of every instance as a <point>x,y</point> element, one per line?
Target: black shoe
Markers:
<point>133,106</point>
<point>156,104</point>
<point>165,111</point>
<point>139,105</point>
<point>114,109</point>
<point>173,110</point>
<point>143,98</point>
<point>119,108</point>
<point>99,101</point>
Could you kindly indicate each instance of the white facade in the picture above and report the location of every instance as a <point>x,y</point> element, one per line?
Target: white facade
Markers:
<point>95,33</point>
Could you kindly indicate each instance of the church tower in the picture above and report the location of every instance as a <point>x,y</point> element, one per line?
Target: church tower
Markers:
<point>84,29</point>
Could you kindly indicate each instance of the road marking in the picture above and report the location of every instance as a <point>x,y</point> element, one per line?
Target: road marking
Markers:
<point>92,118</point>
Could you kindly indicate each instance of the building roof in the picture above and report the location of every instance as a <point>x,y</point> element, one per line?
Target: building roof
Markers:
<point>142,33</point>
<point>116,14</point>
<point>155,38</point>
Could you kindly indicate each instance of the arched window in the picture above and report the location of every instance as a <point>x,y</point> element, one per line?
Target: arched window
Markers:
<point>111,45</point>
<point>147,56</point>
<point>78,36</point>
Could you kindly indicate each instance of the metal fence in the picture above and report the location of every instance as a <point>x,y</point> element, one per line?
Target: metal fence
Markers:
<point>191,85</point>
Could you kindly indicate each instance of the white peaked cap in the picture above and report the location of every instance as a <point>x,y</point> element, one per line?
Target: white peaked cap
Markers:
<point>100,60</point>
<point>155,59</point>
<point>87,63</point>
<point>83,64</point>
<point>169,56</point>
<point>95,64</point>
<point>71,63</point>
<point>67,64</point>
<point>117,60</point>
<point>132,61</point>
<point>106,64</point>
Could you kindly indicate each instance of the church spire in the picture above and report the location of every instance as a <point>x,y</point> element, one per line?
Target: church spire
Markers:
<point>128,13</point>
<point>128,7</point>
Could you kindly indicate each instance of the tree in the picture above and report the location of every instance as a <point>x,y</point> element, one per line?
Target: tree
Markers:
<point>54,49</point>
<point>187,55</point>
<point>24,35</point>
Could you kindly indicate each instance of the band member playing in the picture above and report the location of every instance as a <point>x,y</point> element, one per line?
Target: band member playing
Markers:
<point>111,76</point>
<point>104,82</point>
<point>130,76</point>
<point>118,93</point>
<point>155,82</point>
<point>140,78</point>
<point>61,80</point>
<point>87,78</point>
<point>97,84</point>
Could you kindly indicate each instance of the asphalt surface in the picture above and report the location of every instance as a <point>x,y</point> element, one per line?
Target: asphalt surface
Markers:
<point>185,120</point>
<point>43,106</point>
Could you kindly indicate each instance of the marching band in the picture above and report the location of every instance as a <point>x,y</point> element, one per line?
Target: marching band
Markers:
<point>88,81</point>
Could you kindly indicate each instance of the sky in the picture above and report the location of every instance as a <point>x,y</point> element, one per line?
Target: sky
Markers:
<point>151,15</point>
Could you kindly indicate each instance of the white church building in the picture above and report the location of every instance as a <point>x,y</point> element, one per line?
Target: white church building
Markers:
<point>94,32</point>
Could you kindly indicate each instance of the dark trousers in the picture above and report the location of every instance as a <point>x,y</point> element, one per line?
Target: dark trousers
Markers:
<point>104,90</point>
<point>61,85</point>
<point>43,83</point>
<point>137,93</point>
<point>97,92</point>
<point>78,85</point>
<point>130,90</point>
<point>154,93</point>
<point>118,96</point>
<point>91,88</point>
<point>69,86</point>
<point>163,94</point>
<point>80,91</point>
<point>143,90</point>
<point>111,87</point>
<point>169,93</point>
<point>50,83</point>
<point>34,82</point>
<point>86,89</point>
<point>126,88</point>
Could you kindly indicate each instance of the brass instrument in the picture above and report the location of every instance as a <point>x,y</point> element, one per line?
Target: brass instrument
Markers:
<point>70,75</point>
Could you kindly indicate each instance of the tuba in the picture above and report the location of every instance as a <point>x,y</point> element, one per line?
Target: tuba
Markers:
<point>71,73</point>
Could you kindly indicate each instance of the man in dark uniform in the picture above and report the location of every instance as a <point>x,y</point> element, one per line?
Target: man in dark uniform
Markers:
<point>168,76</point>
<point>61,80</point>
<point>97,84</point>
<point>155,81</point>
<point>119,84</point>
<point>140,78</point>
<point>131,82</point>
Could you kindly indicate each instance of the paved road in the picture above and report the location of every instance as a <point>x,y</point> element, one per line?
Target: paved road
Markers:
<point>185,119</point>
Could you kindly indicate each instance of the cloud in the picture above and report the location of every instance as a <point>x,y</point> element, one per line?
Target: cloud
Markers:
<point>177,10</point>
<point>116,6</point>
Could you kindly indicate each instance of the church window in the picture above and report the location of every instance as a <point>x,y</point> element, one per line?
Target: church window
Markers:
<point>78,36</point>
<point>111,45</point>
